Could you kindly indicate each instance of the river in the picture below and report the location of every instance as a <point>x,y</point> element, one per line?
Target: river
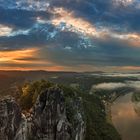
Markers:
<point>125,119</point>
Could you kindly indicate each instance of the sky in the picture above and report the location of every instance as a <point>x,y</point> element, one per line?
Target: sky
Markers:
<point>70,35</point>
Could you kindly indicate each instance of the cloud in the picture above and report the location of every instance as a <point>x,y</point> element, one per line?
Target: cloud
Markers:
<point>27,59</point>
<point>131,68</point>
<point>112,85</point>
<point>21,18</point>
<point>5,30</point>
<point>123,2</point>
<point>18,56</point>
<point>80,25</point>
<point>29,5</point>
<point>134,84</point>
<point>109,86</point>
<point>74,33</point>
<point>70,20</point>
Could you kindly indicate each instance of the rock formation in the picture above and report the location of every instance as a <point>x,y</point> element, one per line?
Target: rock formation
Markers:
<point>48,119</point>
<point>10,118</point>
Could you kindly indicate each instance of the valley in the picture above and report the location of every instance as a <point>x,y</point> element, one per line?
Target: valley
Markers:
<point>99,92</point>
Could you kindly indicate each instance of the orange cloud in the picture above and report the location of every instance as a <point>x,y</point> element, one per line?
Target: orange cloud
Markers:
<point>135,68</point>
<point>134,39</point>
<point>22,60</point>
<point>48,68</point>
<point>83,26</point>
<point>17,56</point>
<point>69,18</point>
<point>55,68</point>
<point>131,38</point>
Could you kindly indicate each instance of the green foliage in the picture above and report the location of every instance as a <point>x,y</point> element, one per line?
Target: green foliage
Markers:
<point>30,91</point>
<point>67,91</point>
<point>136,96</point>
<point>97,126</point>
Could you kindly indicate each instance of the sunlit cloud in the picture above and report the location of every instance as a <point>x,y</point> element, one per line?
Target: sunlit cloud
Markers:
<point>5,30</point>
<point>80,36</point>
<point>136,68</point>
<point>85,27</point>
<point>65,16</point>
<point>19,32</point>
<point>17,56</point>
<point>28,59</point>
<point>26,68</point>
<point>9,32</point>
<point>132,38</point>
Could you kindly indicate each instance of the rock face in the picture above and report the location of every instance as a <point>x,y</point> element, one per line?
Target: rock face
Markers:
<point>48,119</point>
<point>10,118</point>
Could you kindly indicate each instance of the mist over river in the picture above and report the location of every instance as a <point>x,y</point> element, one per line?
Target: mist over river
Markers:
<point>125,119</point>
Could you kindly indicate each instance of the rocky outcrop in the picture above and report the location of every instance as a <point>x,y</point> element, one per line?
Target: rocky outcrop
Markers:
<point>75,113</point>
<point>48,119</point>
<point>10,118</point>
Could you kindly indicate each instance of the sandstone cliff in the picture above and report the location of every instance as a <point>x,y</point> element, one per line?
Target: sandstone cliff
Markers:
<point>48,120</point>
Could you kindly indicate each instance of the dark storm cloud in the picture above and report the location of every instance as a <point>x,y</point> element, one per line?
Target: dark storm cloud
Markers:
<point>99,56</point>
<point>101,53</point>
<point>18,18</point>
<point>35,37</point>
<point>98,12</point>
<point>25,65</point>
<point>64,47</point>
<point>104,13</point>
